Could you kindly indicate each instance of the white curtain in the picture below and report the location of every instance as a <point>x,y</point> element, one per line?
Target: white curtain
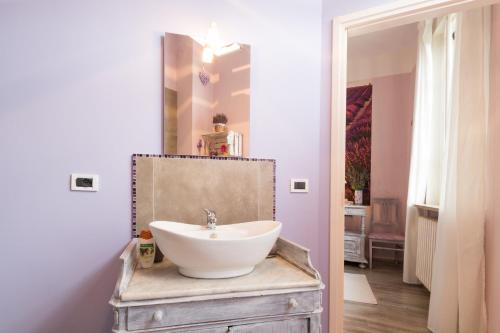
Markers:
<point>457,297</point>
<point>428,133</point>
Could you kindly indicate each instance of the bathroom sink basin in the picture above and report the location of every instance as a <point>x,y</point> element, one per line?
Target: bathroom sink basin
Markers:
<point>227,251</point>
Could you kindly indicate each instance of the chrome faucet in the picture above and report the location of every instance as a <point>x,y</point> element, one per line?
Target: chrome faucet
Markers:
<point>211,219</point>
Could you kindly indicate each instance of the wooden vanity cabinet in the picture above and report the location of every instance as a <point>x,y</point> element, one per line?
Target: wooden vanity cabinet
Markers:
<point>282,294</point>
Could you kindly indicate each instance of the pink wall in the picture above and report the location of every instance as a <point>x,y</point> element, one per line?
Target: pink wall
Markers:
<point>391,138</point>
<point>493,210</point>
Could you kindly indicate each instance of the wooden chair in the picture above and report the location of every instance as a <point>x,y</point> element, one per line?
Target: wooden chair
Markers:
<point>385,231</point>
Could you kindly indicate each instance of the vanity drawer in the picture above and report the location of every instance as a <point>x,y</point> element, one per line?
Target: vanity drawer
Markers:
<point>355,211</point>
<point>285,326</point>
<point>173,314</point>
<point>352,245</point>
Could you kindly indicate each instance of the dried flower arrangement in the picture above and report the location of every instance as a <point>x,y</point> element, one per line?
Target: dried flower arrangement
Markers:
<point>357,178</point>
<point>358,164</point>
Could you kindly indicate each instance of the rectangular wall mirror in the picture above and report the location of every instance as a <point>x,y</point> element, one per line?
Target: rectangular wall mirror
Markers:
<point>206,104</point>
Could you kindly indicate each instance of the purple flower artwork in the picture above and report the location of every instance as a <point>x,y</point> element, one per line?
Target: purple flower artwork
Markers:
<point>358,141</point>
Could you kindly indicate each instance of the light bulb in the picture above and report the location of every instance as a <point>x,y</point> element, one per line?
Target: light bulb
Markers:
<point>208,55</point>
<point>213,36</point>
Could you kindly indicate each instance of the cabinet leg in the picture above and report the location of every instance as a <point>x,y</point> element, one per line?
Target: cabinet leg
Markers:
<point>362,265</point>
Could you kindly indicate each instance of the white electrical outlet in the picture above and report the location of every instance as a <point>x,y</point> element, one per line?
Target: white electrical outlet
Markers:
<point>84,182</point>
<point>299,185</point>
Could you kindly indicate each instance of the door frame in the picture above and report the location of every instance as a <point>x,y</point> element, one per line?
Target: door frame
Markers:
<point>358,23</point>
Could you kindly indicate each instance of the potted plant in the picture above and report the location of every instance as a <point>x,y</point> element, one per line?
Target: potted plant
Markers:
<point>357,177</point>
<point>219,121</point>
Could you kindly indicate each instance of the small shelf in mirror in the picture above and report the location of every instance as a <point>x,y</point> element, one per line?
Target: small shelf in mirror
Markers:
<point>227,143</point>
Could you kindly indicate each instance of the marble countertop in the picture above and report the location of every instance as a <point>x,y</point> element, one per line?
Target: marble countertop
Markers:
<point>163,281</point>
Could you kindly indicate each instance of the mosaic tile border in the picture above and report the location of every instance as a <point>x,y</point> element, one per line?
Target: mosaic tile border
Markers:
<point>134,177</point>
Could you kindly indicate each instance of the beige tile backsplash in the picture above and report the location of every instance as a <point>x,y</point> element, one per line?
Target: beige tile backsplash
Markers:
<point>177,189</point>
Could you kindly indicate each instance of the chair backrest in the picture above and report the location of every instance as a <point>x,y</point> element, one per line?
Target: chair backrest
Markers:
<point>385,216</point>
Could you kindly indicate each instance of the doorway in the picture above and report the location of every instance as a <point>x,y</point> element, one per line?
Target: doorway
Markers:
<point>343,27</point>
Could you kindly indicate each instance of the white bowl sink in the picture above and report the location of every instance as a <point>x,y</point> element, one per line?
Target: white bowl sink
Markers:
<point>227,251</point>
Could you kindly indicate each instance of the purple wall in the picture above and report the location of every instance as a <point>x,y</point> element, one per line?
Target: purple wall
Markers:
<point>81,91</point>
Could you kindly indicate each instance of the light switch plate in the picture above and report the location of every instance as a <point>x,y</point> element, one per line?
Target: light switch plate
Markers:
<point>84,182</point>
<point>299,185</point>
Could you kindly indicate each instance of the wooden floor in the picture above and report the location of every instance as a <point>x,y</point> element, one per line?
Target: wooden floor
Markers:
<point>401,308</point>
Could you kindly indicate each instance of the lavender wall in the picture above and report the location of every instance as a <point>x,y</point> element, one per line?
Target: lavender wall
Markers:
<point>81,91</point>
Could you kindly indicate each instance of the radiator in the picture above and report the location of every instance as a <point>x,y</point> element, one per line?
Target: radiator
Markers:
<point>426,244</point>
